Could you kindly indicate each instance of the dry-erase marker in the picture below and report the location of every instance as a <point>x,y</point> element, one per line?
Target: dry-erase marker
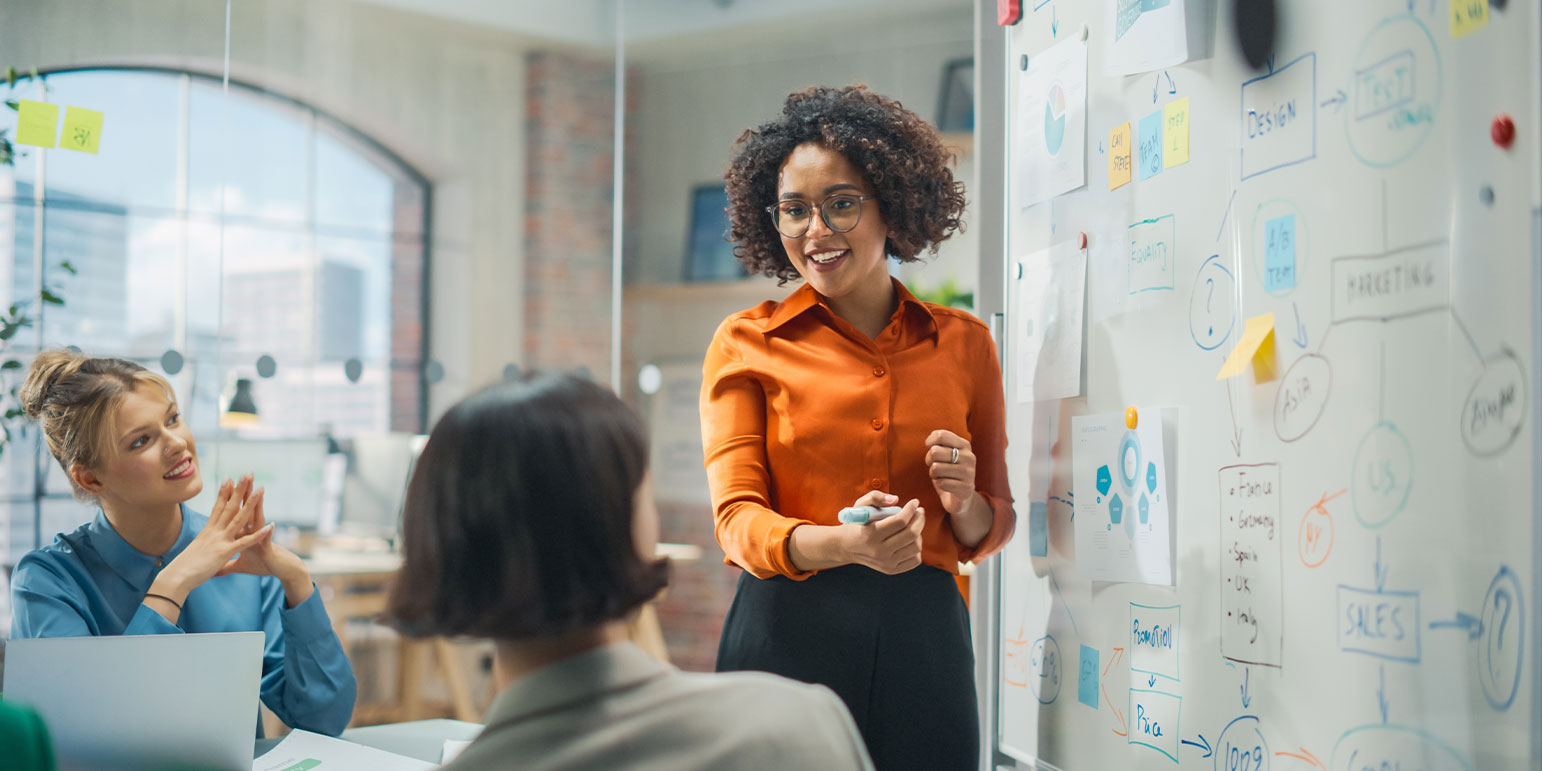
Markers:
<point>866,515</point>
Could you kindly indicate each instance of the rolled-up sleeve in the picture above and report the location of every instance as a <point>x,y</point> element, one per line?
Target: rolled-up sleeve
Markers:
<point>733,436</point>
<point>988,427</point>
<point>307,679</point>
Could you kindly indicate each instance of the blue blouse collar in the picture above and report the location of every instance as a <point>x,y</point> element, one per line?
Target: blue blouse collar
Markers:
<point>132,565</point>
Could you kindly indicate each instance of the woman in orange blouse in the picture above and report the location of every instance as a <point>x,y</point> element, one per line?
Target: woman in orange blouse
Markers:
<point>851,392</point>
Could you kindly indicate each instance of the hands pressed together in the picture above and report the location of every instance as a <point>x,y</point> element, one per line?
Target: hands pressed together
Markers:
<point>237,539</point>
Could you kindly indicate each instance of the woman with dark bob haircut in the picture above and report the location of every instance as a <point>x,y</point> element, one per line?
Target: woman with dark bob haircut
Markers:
<point>850,392</point>
<point>529,520</point>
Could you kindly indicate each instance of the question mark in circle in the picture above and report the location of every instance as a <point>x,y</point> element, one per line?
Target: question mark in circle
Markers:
<point>1209,298</point>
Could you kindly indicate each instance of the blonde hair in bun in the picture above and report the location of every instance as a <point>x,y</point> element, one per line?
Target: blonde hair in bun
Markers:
<point>73,397</point>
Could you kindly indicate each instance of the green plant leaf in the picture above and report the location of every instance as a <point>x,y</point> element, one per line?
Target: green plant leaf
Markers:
<point>68,268</point>
<point>10,76</point>
<point>11,364</point>
<point>49,297</point>
<point>13,104</point>
<point>14,412</point>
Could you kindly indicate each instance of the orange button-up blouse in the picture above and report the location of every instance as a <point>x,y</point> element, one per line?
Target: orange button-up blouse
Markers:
<point>802,414</point>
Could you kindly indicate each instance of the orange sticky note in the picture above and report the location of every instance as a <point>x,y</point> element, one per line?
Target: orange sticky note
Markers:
<point>37,123</point>
<point>1119,156</point>
<point>82,130</point>
<point>1255,347</point>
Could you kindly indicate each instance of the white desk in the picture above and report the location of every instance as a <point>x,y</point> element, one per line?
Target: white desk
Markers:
<point>421,739</point>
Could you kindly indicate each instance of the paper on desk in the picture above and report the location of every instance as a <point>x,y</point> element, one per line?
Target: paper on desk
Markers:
<point>452,749</point>
<point>305,751</point>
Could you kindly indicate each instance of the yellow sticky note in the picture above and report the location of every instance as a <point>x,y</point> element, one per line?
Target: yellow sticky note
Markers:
<point>1468,16</point>
<point>82,130</point>
<point>37,123</point>
<point>1175,132</point>
<point>1119,168</point>
<point>1256,347</point>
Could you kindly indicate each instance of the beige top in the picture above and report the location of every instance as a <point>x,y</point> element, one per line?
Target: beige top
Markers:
<point>616,707</point>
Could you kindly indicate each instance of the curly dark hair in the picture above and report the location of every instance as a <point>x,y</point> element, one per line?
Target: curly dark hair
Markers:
<point>899,153</point>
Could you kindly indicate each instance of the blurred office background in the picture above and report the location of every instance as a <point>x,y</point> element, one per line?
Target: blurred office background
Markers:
<point>327,220</point>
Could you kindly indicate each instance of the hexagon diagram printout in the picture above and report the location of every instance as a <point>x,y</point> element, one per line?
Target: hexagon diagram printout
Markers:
<point>1123,523</point>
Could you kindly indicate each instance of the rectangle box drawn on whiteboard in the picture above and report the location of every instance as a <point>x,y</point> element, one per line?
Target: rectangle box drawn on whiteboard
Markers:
<point>1378,623</point>
<point>1279,126</point>
<point>1406,282</point>
<point>1384,85</point>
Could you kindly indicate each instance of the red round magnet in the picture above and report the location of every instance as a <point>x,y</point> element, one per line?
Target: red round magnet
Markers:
<point>1502,131</point>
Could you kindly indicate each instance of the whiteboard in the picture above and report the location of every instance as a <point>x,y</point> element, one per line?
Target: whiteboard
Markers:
<point>1354,575</point>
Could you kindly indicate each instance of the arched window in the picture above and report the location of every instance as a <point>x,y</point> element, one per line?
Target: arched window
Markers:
<point>217,230</point>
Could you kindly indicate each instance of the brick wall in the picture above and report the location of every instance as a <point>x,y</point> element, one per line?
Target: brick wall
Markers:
<point>569,114</point>
<point>570,106</point>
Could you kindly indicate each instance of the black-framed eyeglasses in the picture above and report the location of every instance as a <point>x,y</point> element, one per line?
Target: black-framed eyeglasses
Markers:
<point>841,212</point>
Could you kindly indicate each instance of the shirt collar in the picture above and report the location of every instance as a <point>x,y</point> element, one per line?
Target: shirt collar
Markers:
<point>805,299</point>
<point>576,679</point>
<point>131,564</point>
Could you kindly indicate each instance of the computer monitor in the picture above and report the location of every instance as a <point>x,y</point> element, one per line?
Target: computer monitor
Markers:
<point>376,483</point>
<point>291,471</point>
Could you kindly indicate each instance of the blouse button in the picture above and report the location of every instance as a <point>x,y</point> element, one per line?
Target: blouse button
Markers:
<point>876,484</point>
<point>879,372</point>
<point>158,562</point>
<point>877,424</point>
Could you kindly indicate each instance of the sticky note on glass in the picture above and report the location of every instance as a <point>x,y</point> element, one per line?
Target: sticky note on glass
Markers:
<point>1087,678</point>
<point>37,123</point>
<point>1468,16</point>
<point>1150,157</point>
<point>1119,156</point>
<point>1175,150</point>
<point>1280,254</point>
<point>1256,348</point>
<point>82,130</point>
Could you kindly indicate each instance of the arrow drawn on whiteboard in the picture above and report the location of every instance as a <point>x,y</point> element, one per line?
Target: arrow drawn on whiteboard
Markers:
<point>1118,652</point>
<point>1247,700</point>
<point>1381,570</point>
<point>1100,148</point>
<point>1054,24</point>
<point>1300,338</point>
<point>1303,755</point>
<point>1203,744</point>
<point>1472,624</point>
<point>1381,694</point>
<point>1151,681</point>
<point>1236,432</point>
<point>1336,101</point>
<point>1123,729</point>
<point>1171,87</point>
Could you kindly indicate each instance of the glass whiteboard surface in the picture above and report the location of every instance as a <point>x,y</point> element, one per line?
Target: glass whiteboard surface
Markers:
<point>289,471</point>
<point>1355,517</point>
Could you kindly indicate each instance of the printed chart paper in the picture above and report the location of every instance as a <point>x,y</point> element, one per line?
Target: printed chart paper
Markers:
<point>1151,34</point>
<point>1048,328</point>
<point>1123,521</point>
<point>1050,143</point>
<point>304,751</point>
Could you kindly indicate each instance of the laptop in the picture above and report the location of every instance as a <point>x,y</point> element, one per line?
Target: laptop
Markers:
<point>142,701</point>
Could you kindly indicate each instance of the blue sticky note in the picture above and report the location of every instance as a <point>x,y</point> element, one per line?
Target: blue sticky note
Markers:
<point>1150,146</point>
<point>1038,529</point>
<point>1280,253</point>
<point>1087,678</point>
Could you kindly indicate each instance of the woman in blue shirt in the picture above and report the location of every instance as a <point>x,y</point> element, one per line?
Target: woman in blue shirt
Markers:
<point>149,565</point>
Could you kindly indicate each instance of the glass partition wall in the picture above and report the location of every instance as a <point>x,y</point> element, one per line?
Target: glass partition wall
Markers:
<point>324,223</point>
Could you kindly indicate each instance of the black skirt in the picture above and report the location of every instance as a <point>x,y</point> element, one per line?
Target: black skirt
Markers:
<point>896,649</point>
